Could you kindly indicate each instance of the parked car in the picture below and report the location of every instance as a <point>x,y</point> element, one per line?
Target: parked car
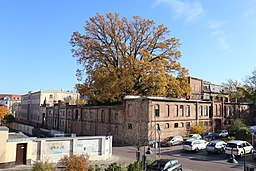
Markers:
<point>194,145</point>
<point>221,133</point>
<point>165,165</point>
<point>254,154</point>
<point>192,137</point>
<point>216,147</point>
<point>231,132</point>
<point>176,140</point>
<point>210,135</point>
<point>239,148</point>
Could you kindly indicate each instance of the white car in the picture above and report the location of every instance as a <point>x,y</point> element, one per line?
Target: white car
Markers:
<point>221,133</point>
<point>238,148</point>
<point>194,145</point>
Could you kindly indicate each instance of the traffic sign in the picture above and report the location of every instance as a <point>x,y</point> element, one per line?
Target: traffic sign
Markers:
<point>252,131</point>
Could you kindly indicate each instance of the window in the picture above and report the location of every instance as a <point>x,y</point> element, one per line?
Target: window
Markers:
<point>176,110</point>
<point>187,111</point>
<point>167,125</point>
<point>116,115</point>
<point>157,126</point>
<point>129,126</point>
<point>200,111</point>
<point>187,125</point>
<point>176,125</point>
<point>205,123</point>
<point>157,110</point>
<point>182,110</point>
<point>220,113</point>
<point>77,115</point>
<point>102,116</point>
<point>182,124</point>
<point>168,110</point>
<point>51,96</point>
<point>205,110</point>
<point>91,127</point>
<point>216,109</point>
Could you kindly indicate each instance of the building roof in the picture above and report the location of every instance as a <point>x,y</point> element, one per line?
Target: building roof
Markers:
<point>17,137</point>
<point>11,96</point>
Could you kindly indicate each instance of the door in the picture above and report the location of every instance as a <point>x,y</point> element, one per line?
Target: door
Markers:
<point>21,154</point>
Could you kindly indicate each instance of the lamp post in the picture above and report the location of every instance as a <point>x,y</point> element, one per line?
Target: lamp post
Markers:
<point>244,160</point>
<point>159,150</point>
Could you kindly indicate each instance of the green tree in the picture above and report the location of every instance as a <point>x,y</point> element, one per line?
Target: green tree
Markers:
<point>121,57</point>
<point>237,125</point>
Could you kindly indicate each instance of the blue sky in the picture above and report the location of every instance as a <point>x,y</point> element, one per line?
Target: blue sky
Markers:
<point>218,38</point>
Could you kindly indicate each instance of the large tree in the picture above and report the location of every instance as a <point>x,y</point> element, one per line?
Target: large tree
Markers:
<point>250,87</point>
<point>235,90</point>
<point>119,57</point>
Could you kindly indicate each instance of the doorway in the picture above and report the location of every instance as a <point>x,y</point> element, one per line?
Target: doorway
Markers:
<point>21,154</point>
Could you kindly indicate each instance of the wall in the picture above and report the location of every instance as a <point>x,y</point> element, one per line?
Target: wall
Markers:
<point>53,149</point>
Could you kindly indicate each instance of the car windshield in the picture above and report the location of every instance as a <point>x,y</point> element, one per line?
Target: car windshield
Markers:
<point>231,145</point>
<point>218,131</point>
<point>212,144</point>
<point>168,139</point>
<point>187,143</point>
<point>191,135</point>
<point>158,164</point>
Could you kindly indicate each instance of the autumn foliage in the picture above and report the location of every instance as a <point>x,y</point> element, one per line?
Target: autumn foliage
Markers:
<point>3,111</point>
<point>76,162</point>
<point>120,57</point>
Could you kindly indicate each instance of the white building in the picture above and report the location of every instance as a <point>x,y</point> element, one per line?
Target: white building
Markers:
<point>32,108</point>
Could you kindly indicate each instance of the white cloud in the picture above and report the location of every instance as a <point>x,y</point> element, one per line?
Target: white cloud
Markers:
<point>216,28</point>
<point>183,9</point>
<point>223,43</point>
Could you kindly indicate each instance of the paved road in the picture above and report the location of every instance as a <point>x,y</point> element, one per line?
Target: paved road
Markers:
<point>191,161</point>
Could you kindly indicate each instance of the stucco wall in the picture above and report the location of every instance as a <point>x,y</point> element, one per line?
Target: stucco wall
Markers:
<point>53,149</point>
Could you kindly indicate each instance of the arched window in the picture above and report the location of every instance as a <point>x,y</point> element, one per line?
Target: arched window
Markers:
<point>102,116</point>
<point>157,110</point>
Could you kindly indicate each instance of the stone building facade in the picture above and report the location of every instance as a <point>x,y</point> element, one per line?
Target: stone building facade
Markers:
<point>32,107</point>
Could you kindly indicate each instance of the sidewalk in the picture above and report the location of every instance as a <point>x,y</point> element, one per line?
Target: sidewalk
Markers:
<point>19,168</point>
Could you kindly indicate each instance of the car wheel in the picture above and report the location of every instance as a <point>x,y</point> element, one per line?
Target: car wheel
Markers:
<point>241,154</point>
<point>251,151</point>
<point>197,149</point>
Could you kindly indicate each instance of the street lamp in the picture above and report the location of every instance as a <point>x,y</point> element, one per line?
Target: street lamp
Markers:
<point>244,160</point>
<point>159,133</point>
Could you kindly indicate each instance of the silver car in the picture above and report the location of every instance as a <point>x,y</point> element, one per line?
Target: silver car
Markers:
<point>176,140</point>
<point>216,147</point>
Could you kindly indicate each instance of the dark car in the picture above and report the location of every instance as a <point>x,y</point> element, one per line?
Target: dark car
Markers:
<point>231,132</point>
<point>165,165</point>
<point>211,135</point>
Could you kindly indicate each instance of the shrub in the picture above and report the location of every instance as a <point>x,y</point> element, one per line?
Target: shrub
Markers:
<point>237,125</point>
<point>198,129</point>
<point>115,167</point>
<point>136,166</point>
<point>76,162</point>
<point>43,166</point>
<point>243,134</point>
<point>96,168</point>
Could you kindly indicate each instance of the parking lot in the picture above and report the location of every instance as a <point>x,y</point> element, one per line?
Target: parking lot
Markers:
<point>200,161</point>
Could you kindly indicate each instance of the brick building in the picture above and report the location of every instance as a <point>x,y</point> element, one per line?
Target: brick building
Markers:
<point>12,101</point>
<point>172,116</point>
